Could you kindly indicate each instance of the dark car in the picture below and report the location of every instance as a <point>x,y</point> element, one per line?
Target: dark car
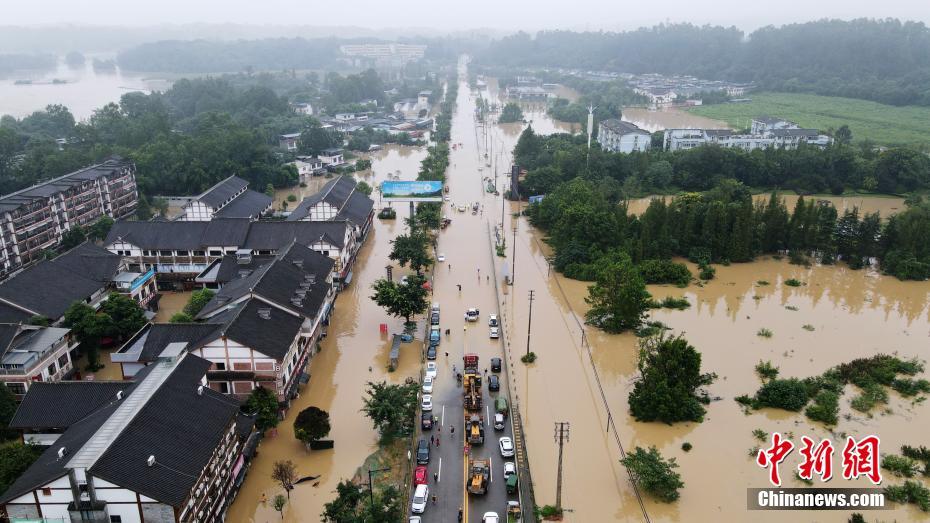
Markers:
<point>422,452</point>
<point>495,364</point>
<point>431,352</point>
<point>426,421</point>
<point>494,383</point>
<point>434,318</point>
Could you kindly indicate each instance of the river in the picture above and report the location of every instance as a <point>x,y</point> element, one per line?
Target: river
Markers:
<point>84,89</point>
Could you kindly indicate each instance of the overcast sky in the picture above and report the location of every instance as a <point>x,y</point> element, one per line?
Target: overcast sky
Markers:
<point>453,14</point>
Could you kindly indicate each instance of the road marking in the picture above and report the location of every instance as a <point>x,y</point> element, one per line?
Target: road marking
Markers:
<point>465,485</point>
<point>439,473</point>
<point>491,466</point>
<point>442,421</point>
<point>487,415</point>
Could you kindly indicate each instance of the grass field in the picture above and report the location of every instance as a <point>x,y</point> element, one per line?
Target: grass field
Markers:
<point>882,124</point>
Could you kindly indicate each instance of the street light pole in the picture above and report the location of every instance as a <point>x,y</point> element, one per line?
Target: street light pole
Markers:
<point>529,324</point>
<point>371,487</point>
<point>561,436</point>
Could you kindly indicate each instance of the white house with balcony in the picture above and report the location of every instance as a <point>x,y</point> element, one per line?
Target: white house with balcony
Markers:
<point>31,354</point>
<point>622,137</point>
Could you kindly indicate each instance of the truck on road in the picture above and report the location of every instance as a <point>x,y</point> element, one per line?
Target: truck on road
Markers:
<point>471,383</point>
<point>479,472</point>
<point>474,429</point>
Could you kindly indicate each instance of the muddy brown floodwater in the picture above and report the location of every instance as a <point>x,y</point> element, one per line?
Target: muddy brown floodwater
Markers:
<point>338,374</point>
<point>853,314</point>
<point>669,118</point>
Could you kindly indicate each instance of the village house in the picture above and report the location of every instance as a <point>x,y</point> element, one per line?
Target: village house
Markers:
<point>164,447</point>
<point>230,198</point>
<point>260,329</point>
<point>34,219</point>
<point>332,157</point>
<point>86,274</point>
<point>179,251</point>
<point>309,166</point>
<point>338,200</point>
<point>30,354</point>
<point>289,142</point>
<point>624,137</point>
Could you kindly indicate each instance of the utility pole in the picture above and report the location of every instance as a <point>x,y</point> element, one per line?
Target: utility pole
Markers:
<point>529,324</point>
<point>371,487</point>
<point>513,274</point>
<point>561,436</point>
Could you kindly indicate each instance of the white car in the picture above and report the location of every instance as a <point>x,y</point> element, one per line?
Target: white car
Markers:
<point>420,497</point>
<point>492,320</point>
<point>428,385</point>
<point>498,421</point>
<point>510,468</point>
<point>506,445</point>
<point>490,517</point>
<point>495,333</point>
<point>471,314</point>
<point>431,369</point>
<point>415,519</point>
<point>446,198</point>
<point>441,258</point>
<point>461,208</point>
<point>427,406</point>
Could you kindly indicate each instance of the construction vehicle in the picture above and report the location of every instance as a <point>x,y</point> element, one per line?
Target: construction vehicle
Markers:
<point>474,429</point>
<point>479,471</point>
<point>471,383</point>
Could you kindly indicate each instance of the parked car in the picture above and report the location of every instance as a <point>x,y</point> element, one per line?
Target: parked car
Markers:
<point>472,314</point>
<point>490,517</point>
<point>435,337</point>
<point>506,445</point>
<point>420,497</point>
<point>434,318</point>
<point>431,369</point>
<point>431,352</point>
<point>427,385</point>
<point>415,519</point>
<point>461,208</point>
<point>441,257</point>
<point>494,383</point>
<point>492,321</point>
<point>499,421</point>
<point>421,476</point>
<point>422,452</point>
<point>495,364</point>
<point>426,421</point>
<point>509,468</point>
<point>427,404</point>
<point>495,333</point>
<point>434,307</point>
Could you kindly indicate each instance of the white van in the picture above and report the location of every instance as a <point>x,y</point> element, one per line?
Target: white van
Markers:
<point>434,307</point>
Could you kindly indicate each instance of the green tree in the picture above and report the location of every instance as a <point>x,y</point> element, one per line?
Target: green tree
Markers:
<point>412,248</point>
<point>402,300</point>
<point>654,474</point>
<point>344,509</point>
<point>269,190</point>
<point>15,458</point>
<point>100,228</point>
<point>618,298</point>
<point>279,503</point>
<point>89,327</point>
<point>391,408</point>
<point>198,300</point>
<point>181,317</point>
<point>126,315</point>
<point>511,113</point>
<point>668,382</point>
<point>843,135</point>
<point>311,424</point>
<point>315,140</point>
<point>73,237</point>
<point>263,404</point>
<point>8,407</point>
<point>364,188</point>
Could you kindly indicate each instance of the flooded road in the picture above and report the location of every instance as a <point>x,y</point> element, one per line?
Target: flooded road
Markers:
<point>852,313</point>
<point>338,375</point>
<point>669,118</point>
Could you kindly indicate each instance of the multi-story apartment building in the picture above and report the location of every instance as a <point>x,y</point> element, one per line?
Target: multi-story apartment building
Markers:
<point>622,137</point>
<point>164,447</point>
<point>787,138</point>
<point>31,354</point>
<point>34,219</point>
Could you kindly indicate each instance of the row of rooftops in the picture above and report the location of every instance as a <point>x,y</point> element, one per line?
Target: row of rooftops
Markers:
<point>352,205</point>
<point>114,165</point>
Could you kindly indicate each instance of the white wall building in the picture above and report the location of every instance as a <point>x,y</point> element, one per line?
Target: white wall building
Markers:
<point>622,137</point>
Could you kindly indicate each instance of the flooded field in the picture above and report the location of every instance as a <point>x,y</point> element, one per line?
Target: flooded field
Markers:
<point>353,353</point>
<point>669,118</point>
<point>884,205</point>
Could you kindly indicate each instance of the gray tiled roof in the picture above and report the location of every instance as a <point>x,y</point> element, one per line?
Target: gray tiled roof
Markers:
<point>16,199</point>
<point>276,235</point>
<point>621,127</point>
<point>62,404</point>
<point>217,195</point>
<point>249,204</point>
<point>179,427</point>
<point>73,276</point>
<point>806,133</point>
<point>11,314</point>
<point>157,336</point>
<point>222,232</point>
<point>340,193</point>
<point>272,337</point>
